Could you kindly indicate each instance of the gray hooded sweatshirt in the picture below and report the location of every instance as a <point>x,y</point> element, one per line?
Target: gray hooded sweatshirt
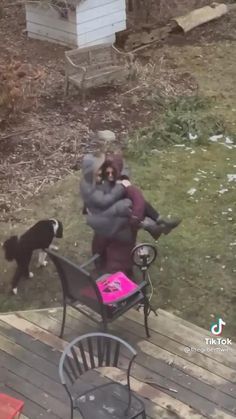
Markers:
<point>108,210</point>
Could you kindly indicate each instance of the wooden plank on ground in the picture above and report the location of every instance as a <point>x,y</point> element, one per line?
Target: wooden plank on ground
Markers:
<point>220,371</point>
<point>210,371</point>
<point>31,344</point>
<point>36,395</point>
<point>184,335</point>
<point>194,363</point>
<point>29,358</point>
<point>29,374</point>
<point>173,318</point>
<point>189,388</point>
<point>31,410</point>
<point>161,369</point>
<point>184,394</point>
<point>153,411</point>
<point>161,399</point>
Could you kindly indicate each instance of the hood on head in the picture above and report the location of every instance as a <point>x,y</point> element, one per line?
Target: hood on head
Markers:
<point>115,161</point>
<point>90,166</point>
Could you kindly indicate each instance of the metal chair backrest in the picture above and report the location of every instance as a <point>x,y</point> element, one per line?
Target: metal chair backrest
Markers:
<point>77,283</point>
<point>93,351</point>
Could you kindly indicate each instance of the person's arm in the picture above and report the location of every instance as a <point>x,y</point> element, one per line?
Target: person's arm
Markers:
<point>102,200</point>
<point>150,211</point>
<point>121,208</point>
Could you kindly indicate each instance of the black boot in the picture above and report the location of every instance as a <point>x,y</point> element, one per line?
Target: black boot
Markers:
<point>168,225</point>
<point>155,230</point>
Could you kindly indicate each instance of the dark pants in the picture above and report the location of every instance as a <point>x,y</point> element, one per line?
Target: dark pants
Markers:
<point>99,246</point>
<point>114,255</point>
<point>150,211</point>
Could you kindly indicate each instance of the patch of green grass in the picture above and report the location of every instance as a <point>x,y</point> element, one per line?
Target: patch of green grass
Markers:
<point>180,120</point>
<point>62,201</point>
<point>194,275</point>
<point>213,66</point>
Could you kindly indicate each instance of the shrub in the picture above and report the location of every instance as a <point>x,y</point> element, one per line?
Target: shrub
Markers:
<point>16,88</point>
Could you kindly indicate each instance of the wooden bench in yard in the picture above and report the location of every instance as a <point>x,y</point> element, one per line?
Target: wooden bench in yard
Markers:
<point>96,66</point>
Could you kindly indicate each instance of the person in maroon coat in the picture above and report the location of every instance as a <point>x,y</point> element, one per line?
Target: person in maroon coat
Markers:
<point>143,214</point>
<point>115,246</point>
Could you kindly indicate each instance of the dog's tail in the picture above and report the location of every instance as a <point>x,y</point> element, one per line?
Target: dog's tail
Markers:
<point>10,248</point>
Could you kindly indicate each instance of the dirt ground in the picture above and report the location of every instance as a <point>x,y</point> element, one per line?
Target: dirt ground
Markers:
<point>39,154</point>
<point>32,153</point>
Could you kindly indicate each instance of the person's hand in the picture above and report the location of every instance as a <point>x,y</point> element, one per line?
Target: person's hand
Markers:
<point>125,183</point>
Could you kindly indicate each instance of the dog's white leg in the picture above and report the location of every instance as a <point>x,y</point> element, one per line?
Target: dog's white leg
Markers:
<point>53,247</point>
<point>31,275</point>
<point>14,291</point>
<point>42,259</point>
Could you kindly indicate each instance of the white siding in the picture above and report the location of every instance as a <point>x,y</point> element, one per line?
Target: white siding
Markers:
<point>93,13</point>
<point>91,4</point>
<point>45,23</point>
<point>108,40</point>
<point>94,22</point>
<point>99,20</point>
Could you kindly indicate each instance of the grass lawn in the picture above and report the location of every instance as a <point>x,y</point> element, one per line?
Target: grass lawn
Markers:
<point>195,274</point>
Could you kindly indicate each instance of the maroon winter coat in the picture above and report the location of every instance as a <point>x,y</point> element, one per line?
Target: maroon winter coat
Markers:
<point>132,192</point>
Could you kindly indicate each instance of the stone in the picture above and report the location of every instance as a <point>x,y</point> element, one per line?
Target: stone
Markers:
<point>106,135</point>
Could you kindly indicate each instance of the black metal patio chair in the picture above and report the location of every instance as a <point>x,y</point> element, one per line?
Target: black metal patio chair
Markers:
<point>82,291</point>
<point>105,400</point>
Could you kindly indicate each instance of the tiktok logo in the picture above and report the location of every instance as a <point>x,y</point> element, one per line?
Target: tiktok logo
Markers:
<point>217,328</point>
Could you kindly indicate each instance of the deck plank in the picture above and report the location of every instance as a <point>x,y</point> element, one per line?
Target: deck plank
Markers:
<point>46,384</point>
<point>31,410</point>
<point>159,398</point>
<point>182,334</point>
<point>36,395</point>
<point>32,345</point>
<point>188,367</point>
<point>198,365</point>
<point>197,401</point>
<point>173,318</point>
<point>206,382</point>
<point>30,359</point>
<point>188,387</point>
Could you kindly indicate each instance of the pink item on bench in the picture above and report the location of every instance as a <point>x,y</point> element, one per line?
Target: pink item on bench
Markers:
<point>116,286</point>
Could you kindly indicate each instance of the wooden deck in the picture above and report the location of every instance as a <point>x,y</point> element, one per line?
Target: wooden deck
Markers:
<point>205,381</point>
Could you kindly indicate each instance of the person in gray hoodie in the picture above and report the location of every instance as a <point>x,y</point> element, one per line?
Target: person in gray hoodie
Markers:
<point>109,214</point>
<point>108,211</point>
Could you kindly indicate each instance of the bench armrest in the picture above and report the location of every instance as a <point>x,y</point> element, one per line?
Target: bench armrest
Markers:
<point>142,285</point>
<point>79,67</point>
<point>126,55</point>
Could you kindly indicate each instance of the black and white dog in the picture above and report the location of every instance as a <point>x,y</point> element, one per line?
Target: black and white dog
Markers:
<point>20,249</point>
